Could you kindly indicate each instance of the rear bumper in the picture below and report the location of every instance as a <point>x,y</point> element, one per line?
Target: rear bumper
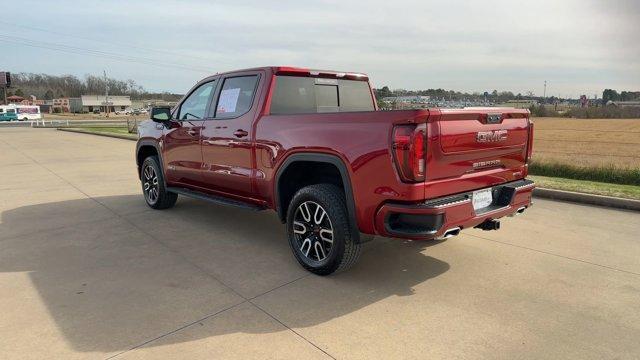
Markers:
<point>432,218</point>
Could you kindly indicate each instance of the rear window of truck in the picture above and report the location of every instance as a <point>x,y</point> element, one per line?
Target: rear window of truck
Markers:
<point>308,95</point>
<point>236,96</point>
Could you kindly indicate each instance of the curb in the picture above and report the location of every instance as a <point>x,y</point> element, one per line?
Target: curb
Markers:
<point>124,137</point>
<point>589,199</point>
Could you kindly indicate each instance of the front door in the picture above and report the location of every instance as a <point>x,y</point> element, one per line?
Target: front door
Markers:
<point>227,137</point>
<point>182,154</point>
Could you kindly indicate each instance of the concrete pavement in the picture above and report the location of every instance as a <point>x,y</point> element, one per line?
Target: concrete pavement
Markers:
<point>88,271</point>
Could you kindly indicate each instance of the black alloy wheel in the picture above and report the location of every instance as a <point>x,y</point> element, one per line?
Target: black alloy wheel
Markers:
<point>319,230</point>
<point>150,184</point>
<point>153,188</point>
<point>313,231</point>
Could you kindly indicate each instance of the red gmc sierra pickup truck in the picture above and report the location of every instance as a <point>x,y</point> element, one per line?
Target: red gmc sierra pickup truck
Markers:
<point>313,146</point>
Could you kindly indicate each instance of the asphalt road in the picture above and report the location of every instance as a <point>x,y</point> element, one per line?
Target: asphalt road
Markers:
<point>88,271</point>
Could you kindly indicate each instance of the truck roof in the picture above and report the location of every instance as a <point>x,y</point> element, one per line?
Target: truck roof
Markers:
<point>292,70</point>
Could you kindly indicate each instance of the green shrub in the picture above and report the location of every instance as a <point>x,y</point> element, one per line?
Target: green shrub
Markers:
<point>601,112</point>
<point>543,111</point>
<point>606,112</point>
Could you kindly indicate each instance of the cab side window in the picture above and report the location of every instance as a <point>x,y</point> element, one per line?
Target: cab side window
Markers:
<point>194,107</point>
<point>236,96</point>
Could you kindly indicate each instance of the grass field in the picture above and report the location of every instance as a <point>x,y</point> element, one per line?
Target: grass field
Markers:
<point>589,187</point>
<point>597,156</point>
<point>588,142</point>
<point>607,144</point>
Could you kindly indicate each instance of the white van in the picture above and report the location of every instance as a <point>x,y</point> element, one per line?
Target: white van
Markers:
<point>28,112</point>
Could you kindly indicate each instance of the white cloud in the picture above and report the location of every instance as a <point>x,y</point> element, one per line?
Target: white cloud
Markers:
<point>578,46</point>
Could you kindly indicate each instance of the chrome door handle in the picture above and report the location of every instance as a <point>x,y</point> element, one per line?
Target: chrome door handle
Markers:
<point>192,132</point>
<point>240,133</point>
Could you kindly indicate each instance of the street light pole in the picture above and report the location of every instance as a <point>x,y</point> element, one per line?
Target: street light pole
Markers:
<point>106,93</point>
<point>5,81</point>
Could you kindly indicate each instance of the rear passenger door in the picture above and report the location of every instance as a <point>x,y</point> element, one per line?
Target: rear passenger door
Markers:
<point>227,135</point>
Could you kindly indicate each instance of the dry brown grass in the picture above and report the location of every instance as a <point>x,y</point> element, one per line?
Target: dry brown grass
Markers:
<point>588,142</point>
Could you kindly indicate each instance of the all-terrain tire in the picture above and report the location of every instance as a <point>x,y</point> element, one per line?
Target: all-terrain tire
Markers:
<point>153,185</point>
<point>344,250</point>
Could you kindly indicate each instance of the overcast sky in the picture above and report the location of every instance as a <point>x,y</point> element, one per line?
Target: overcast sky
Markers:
<point>579,47</point>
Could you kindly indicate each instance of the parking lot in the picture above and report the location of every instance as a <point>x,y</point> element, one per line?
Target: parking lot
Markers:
<point>88,271</point>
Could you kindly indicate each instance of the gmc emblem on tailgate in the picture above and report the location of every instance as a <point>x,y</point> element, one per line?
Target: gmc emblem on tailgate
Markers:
<point>491,136</point>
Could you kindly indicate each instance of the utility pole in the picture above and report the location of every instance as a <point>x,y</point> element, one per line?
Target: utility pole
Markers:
<point>5,82</point>
<point>544,94</point>
<point>106,93</point>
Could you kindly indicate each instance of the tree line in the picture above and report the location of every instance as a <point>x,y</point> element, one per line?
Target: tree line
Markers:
<point>494,95</point>
<point>47,87</point>
<point>613,95</point>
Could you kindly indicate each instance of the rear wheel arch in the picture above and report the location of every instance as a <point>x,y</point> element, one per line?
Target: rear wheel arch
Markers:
<point>332,167</point>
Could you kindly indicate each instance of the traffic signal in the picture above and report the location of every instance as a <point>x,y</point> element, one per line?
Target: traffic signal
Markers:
<point>5,79</point>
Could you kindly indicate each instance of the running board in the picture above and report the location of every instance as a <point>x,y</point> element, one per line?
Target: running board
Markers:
<point>215,199</point>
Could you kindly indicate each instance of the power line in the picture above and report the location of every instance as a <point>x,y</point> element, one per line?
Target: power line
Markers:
<point>181,55</point>
<point>97,53</point>
<point>87,51</point>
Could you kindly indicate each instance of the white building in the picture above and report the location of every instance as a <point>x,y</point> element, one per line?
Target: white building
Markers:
<point>88,103</point>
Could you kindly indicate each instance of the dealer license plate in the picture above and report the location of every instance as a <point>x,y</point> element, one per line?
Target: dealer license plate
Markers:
<point>481,199</point>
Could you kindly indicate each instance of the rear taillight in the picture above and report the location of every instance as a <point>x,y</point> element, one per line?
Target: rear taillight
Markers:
<point>409,148</point>
<point>530,142</point>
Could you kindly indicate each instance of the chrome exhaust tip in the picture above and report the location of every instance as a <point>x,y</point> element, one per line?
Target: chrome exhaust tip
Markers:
<point>450,233</point>
<point>519,211</point>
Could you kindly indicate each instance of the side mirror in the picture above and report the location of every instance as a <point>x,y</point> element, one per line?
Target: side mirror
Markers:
<point>160,113</point>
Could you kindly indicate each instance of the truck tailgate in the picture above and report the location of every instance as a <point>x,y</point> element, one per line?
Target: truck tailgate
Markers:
<point>471,142</point>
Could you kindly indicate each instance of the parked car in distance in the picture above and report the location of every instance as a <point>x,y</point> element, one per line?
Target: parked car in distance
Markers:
<point>312,146</point>
<point>7,114</point>
<point>96,110</point>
